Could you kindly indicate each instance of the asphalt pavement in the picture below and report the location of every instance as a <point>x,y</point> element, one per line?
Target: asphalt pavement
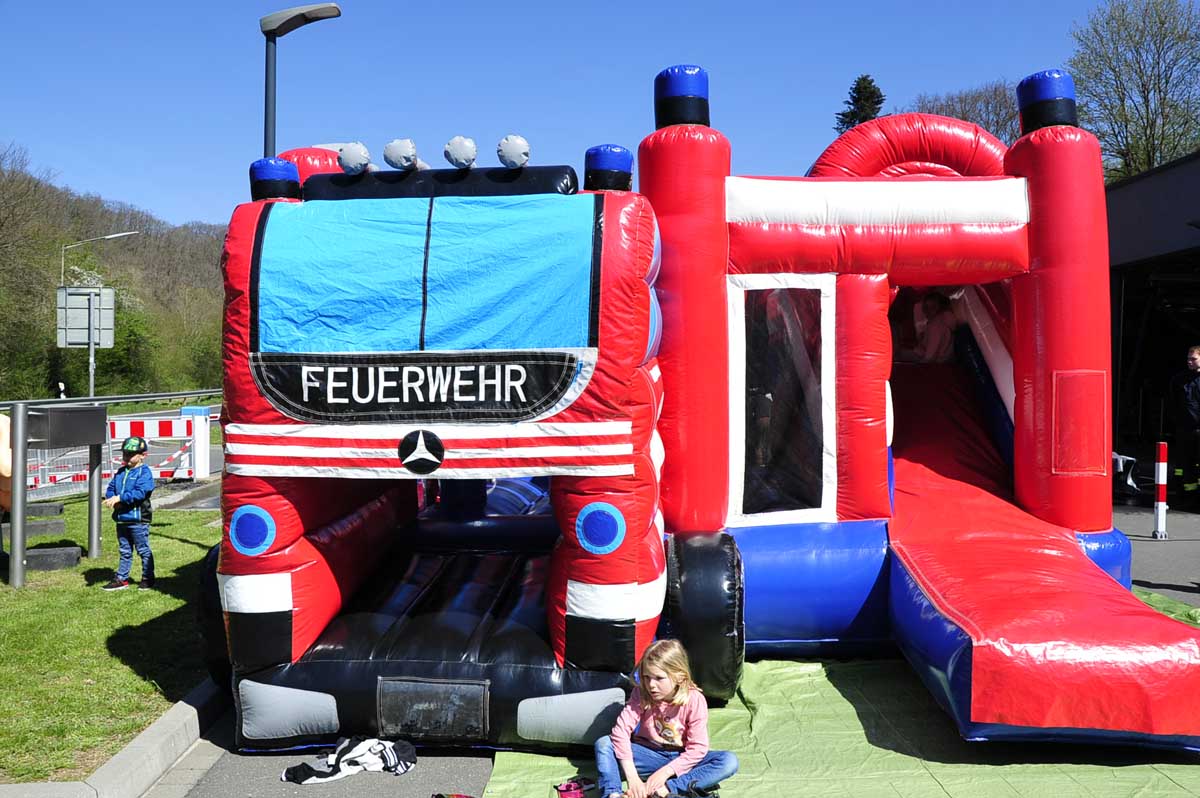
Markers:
<point>1170,567</point>
<point>210,769</point>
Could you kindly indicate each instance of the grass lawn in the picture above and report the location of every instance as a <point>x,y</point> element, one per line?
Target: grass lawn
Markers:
<point>86,671</point>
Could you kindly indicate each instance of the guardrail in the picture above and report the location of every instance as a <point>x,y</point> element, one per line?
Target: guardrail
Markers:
<point>110,400</point>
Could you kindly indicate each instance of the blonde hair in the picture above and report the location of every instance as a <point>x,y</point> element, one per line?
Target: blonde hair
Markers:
<point>671,658</point>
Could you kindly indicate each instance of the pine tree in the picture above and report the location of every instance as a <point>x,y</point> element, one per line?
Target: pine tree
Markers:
<point>862,105</point>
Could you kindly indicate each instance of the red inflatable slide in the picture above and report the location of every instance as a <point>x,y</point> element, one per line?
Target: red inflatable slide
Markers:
<point>1041,616</point>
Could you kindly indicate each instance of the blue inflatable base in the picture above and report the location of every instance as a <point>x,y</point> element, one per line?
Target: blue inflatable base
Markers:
<point>814,589</point>
<point>1111,551</point>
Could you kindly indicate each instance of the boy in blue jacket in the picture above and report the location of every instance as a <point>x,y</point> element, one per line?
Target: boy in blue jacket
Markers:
<point>128,495</point>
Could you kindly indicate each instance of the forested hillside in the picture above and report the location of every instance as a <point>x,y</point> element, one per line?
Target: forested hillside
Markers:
<point>167,281</point>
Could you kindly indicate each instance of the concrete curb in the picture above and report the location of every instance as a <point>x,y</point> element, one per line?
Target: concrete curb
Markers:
<point>136,767</point>
<point>185,494</point>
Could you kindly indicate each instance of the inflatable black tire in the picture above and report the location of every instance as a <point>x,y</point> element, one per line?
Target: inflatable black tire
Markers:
<point>211,623</point>
<point>705,609</point>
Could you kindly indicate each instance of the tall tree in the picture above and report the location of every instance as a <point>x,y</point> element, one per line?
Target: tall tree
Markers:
<point>1137,76</point>
<point>992,106</point>
<point>863,104</point>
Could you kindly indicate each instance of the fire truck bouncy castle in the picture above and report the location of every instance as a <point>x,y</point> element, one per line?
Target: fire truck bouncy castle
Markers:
<point>715,373</point>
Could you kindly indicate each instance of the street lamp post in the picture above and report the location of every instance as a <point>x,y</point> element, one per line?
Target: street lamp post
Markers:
<point>91,310</point>
<point>273,26</point>
<point>63,262</point>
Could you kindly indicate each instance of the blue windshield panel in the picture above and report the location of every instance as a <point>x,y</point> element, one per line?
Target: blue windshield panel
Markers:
<point>494,273</point>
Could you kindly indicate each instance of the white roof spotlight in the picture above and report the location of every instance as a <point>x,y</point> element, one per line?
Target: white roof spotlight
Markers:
<point>353,157</point>
<point>513,151</point>
<point>460,152</point>
<point>401,154</point>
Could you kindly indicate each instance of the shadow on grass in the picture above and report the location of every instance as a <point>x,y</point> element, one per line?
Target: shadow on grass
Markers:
<point>97,576</point>
<point>898,714</point>
<point>188,541</point>
<point>164,650</point>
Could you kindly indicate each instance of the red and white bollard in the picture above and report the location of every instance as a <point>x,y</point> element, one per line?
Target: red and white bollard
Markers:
<point>1160,498</point>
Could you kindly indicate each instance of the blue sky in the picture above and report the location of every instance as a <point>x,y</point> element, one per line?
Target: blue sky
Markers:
<point>159,104</point>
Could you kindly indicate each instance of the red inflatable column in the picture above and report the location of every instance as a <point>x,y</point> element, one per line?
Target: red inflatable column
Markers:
<point>607,577</point>
<point>682,169</point>
<point>864,361</point>
<point>1063,424</point>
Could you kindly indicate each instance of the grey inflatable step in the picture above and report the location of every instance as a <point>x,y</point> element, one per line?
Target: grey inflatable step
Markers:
<point>42,509</point>
<point>52,558</point>
<point>39,527</point>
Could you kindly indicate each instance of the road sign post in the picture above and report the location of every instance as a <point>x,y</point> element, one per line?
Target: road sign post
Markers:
<point>86,316</point>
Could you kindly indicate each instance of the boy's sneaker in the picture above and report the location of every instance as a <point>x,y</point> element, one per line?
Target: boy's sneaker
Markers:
<point>116,584</point>
<point>146,584</point>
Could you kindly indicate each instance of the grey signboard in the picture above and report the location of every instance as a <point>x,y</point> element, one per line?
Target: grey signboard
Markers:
<point>73,303</point>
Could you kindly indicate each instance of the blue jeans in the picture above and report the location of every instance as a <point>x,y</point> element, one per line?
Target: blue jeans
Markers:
<point>708,773</point>
<point>129,537</point>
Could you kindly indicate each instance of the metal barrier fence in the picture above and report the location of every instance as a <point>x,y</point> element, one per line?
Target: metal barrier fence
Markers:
<point>88,440</point>
<point>57,473</point>
<point>178,450</point>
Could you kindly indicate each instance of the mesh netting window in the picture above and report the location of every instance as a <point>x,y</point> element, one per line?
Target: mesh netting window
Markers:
<point>783,400</point>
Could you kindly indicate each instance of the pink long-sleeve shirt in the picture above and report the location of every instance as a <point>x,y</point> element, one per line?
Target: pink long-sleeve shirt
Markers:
<point>665,726</point>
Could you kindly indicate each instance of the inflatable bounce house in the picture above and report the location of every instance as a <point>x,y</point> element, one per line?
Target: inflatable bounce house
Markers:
<point>487,435</point>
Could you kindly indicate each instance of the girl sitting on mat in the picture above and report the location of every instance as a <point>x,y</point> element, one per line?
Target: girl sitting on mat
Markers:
<point>667,719</point>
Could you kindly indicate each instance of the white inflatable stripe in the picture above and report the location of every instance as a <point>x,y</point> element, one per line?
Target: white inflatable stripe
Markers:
<point>876,202</point>
<point>889,418</point>
<point>516,452</point>
<point>484,472</point>
<point>256,592</point>
<point>443,431</point>
<point>997,357</point>
<point>641,602</point>
<point>658,453</point>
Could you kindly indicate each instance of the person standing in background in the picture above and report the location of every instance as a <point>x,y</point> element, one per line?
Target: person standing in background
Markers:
<point>1185,412</point>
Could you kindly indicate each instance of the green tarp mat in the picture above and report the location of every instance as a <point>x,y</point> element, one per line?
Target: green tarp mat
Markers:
<point>1169,606</point>
<point>869,728</point>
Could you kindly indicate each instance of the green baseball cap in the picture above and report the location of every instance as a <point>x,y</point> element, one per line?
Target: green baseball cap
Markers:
<point>134,445</point>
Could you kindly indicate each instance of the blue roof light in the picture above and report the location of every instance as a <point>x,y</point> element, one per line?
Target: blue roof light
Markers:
<point>274,169</point>
<point>682,80</point>
<point>1049,84</point>
<point>612,157</point>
